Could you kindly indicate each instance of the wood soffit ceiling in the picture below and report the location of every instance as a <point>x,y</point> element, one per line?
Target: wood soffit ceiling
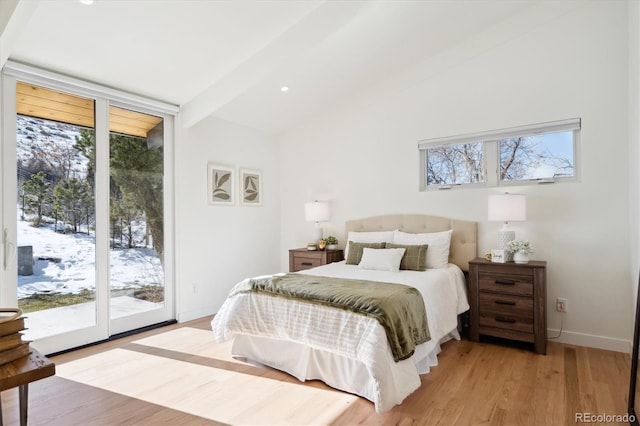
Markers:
<point>36,101</point>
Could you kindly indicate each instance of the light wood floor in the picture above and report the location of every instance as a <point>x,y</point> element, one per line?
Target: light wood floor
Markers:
<point>474,383</point>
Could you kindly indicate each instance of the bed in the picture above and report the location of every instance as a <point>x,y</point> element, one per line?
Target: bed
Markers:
<point>346,350</point>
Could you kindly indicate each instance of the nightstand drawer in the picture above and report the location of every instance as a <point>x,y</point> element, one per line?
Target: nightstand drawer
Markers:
<point>506,321</point>
<point>508,334</point>
<point>519,285</point>
<point>521,307</point>
<point>300,262</point>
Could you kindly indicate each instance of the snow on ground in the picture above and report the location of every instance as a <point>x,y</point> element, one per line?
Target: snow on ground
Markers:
<point>68,260</point>
<point>75,269</point>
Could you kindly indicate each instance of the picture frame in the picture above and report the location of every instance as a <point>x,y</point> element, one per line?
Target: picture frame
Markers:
<point>498,256</point>
<point>220,184</point>
<point>250,187</point>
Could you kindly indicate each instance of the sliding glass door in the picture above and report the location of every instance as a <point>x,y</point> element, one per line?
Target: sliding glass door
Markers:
<point>137,223</point>
<point>86,214</point>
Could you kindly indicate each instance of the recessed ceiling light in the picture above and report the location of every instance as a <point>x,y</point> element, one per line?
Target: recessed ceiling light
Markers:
<point>87,2</point>
<point>284,89</point>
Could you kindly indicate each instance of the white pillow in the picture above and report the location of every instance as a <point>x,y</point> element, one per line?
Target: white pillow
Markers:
<point>368,237</point>
<point>381,259</point>
<point>439,243</point>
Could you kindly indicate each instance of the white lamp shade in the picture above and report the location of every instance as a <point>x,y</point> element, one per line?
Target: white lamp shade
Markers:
<point>317,211</point>
<point>507,207</point>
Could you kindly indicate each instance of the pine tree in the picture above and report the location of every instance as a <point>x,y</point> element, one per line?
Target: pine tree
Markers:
<point>136,173</point>
<point>123,212</point>
<point>73,198</point>
<point>137,170</point>
<point>37,193</point>
<point>86,144</point>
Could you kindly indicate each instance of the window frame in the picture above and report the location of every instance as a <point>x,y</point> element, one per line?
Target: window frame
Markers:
<point>491,153</point>
<point>423,168</point>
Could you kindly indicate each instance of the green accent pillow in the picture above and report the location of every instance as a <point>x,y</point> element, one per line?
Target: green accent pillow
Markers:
<point>415,256</point>
<point>355,251</point>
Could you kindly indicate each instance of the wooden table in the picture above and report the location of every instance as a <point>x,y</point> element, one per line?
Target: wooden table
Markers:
<point>22,372</point>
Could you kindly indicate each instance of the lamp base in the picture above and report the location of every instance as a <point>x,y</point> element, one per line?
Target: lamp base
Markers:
<point>317,234</point>
<point>504,236</point>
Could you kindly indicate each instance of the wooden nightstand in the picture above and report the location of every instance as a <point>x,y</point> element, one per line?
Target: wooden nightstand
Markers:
<point>302,258</point>
<point>508,300</point>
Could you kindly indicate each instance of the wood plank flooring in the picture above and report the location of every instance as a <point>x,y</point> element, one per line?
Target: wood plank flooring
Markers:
<point>475,383</point>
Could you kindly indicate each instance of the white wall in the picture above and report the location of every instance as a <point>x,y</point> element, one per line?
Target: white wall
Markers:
<point>555,61</point>
<point>218,246</point>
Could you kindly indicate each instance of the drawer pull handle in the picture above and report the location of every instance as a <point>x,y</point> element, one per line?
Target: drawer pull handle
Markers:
<point>503,319</point>
<point>505,282</point>
<point>505,302</point>
<point>307,263</point>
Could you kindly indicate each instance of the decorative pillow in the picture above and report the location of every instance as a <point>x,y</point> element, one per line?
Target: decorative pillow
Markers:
<point>415,256</point>
<point>381,259</point>
<point>355,251</point>
<point>438,242</point>
<point>368,237</point>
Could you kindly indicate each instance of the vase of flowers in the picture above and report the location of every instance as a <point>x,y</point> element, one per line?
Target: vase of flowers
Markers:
<point>521,250</point>
<point>332,242</point>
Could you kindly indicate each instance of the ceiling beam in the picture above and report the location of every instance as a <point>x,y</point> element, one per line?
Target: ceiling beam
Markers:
<point>312,29</point>
<point>15,16</point>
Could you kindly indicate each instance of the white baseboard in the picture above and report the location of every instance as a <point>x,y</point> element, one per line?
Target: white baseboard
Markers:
<point>194,314</point>
<point>590,340</point>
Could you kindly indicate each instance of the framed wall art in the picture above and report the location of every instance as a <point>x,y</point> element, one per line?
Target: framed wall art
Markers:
<point>250,187</point>
<point>220,184</point>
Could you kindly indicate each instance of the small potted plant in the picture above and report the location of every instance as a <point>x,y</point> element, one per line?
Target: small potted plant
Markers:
<point>521,250</point>
<point>332,242</point>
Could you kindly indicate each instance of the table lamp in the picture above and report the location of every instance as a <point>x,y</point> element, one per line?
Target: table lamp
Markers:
<point>507,208</point>
<point>317,211</point>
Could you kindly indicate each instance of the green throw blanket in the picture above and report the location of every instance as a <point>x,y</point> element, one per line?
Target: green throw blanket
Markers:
<point>399,308</point>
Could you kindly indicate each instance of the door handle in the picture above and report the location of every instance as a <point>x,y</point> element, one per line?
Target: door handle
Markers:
<point>9,248</point>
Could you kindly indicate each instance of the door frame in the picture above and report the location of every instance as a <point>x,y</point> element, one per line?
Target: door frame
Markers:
<point>104,97</point>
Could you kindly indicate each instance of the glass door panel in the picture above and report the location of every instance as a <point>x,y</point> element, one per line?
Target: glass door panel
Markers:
<point>56,239</point>
<point>136,214</point>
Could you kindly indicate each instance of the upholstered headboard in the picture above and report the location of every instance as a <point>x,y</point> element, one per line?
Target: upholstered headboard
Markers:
<point>463,239</point>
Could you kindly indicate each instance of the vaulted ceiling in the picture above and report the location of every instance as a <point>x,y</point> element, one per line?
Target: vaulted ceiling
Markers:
<point>230,58</point>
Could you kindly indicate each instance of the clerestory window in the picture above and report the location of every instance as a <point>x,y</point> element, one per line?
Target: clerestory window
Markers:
<point>539,153</point>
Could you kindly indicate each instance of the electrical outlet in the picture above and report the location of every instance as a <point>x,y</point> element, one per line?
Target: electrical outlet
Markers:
<point>561,304</point>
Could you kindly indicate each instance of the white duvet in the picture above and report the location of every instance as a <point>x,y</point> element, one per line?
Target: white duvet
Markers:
<point>345,350</point>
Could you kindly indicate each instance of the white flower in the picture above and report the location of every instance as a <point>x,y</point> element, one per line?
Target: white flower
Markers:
<point>519,245</point>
